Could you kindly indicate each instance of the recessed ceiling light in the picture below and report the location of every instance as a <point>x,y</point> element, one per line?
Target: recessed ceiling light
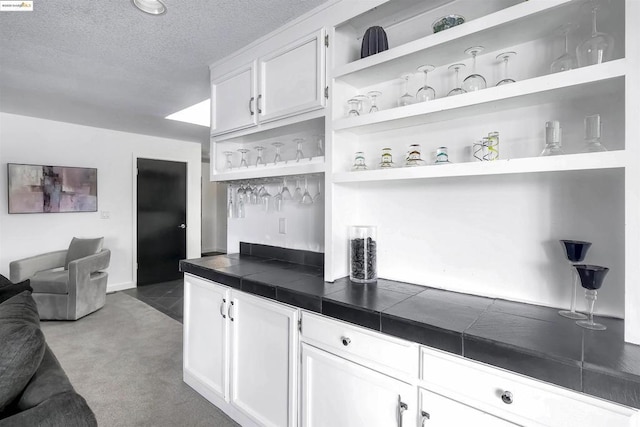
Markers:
<point>152,7</point>
<point>198,114</point>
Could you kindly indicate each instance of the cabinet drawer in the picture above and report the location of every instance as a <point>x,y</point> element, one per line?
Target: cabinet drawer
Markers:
<point>361,345</point>
<point>541,403</point>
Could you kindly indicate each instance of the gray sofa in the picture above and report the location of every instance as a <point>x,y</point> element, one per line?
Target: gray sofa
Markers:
<point>34,389</point>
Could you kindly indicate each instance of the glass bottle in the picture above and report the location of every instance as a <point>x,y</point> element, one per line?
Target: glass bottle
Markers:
<point>386,160</point>
<point>359,163</point>
<point>593,133</point>
<point>362,254</point>
<point>442,156</point>
<point>414,156</point>
<point>553,133</point>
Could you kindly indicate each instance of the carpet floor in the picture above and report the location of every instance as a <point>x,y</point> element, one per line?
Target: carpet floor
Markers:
<point>126,360</point>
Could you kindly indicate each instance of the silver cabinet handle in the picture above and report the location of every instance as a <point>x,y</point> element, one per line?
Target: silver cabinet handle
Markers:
<point>259,104</point>
<point>425,416</point>
<point>224,301</point>
<point>229,311</point>
<point>251,105</point>
<point>401,408</point>
<point>345,341</point>
<point>183,226</point>
<point>507,397</point>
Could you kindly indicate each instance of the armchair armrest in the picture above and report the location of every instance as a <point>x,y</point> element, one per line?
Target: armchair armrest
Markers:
<point>81,269</point>
<point>25,268</point>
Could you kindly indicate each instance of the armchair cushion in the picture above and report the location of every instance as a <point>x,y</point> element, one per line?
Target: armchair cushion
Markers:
<point>51,282</point>
<point>80,248</point>
<point>9,289</point>
<point>22,348</point>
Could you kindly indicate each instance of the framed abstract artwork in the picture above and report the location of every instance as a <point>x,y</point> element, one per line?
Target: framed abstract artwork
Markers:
<point>49,189</point>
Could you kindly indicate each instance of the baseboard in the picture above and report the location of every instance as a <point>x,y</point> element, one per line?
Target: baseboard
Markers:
<point>120,287</point>
<point>206,250</point>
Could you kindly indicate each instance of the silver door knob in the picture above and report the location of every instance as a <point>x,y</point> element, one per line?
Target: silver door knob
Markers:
<point>507,397</point>
<point>346,341</point>
<point>182,226</point>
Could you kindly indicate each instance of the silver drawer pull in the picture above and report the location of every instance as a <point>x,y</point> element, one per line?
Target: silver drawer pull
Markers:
<point>224,301</point>
<point>346,341</point>
<point>402,407</point>
<point>425,416</point>
<point>507,397</point>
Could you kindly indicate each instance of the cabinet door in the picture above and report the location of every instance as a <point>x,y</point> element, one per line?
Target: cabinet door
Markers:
<point>440,411</point>
<point>337,392</point>
<point>264,360</point>
<point>205,334</point>
<point>233,100</point>
<point>292,79</point>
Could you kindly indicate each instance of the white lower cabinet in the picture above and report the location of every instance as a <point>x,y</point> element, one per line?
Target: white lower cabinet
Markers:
<point>241,353</point>
<point>339,393</point>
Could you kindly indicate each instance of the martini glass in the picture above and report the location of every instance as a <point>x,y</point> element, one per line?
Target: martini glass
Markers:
<point>566,61</point>
<point>406,99</point>
<point>243,160</point>
<point>373,95</point>
<point>277,159</point>
<point>456,90</point>
<point>426,92</point>
<point>575,251</point>
<point>598,48</point>
<point>591,278</point>
<point>474,81</point>
<point>259,159</point>
<point>504,57</point>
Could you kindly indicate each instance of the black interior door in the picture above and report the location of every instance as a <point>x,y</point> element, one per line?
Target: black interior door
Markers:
<point>161,208</point>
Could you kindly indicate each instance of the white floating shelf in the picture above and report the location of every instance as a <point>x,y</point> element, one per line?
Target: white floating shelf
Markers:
<point>568,162</point>
<point>601,79</point>
<point>511,26</point>
<point>305,166</point>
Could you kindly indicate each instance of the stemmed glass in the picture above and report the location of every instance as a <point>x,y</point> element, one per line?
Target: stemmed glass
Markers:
<point>598,48</point>
<point>591,278</point>
<point>286,194</point>
<point>405,99</point>
<point>265,199</point>
<point>575,251</point>
<point>456,90</point>
<point>566,61</point>
<point>474,81</point>
<point>228,165</point>
<point>319,145</point>
<point>426,92</point>
<point>278,198</point>
<point>299,153</point>
<point>318,196</point>
<point>504,57</point>
<point>353,107</point>
<point>373,95</point>
<point>361,100</point>
<point>259,159</point>
<point>243,160</point>
<point>306,197</point>
<point>297,193</point>
<point>230,204</point>
<point>277,159</point>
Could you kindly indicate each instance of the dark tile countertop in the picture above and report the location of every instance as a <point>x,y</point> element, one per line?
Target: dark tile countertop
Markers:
<point>523,338</point>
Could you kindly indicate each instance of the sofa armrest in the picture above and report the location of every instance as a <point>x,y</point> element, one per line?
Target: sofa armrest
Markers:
<point>25,268</point>
<point>67,409</point>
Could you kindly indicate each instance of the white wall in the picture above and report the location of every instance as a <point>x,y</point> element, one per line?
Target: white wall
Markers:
<point>31,140</point>
<point>214,214</point>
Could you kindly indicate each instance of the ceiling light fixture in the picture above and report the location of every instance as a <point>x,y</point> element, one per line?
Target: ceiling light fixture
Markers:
<point>152,7</point>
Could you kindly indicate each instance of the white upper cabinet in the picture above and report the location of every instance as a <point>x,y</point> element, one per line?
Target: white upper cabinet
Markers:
<point>233,97</point>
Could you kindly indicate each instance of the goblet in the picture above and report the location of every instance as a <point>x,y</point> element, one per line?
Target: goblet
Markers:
<point>598,48</point>
<point>474,81</point>
<point>228,165</point>
<point>591,278</point>
<point>406,99</point>
<point>306,197</point>
<point>426,92</point>
<point>566,61</point>
<point>373,95</point>
<point>353,107</point>
<point>504,57</point>
<point>243,160</point>
<point>299,153</point>
<point>575,251</point>
<point>456,90</point>
<point>277,158</point>
<point>259,159</point>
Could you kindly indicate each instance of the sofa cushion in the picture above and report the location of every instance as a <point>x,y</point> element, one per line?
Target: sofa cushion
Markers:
<point>49,380</point>
<point>22,348</point>
<point>4,281</point>
<point>80,248</point>
<point>51,282</point>
<point>9,290</point>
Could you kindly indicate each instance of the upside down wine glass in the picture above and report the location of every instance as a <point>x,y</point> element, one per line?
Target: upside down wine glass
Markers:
<point>575,251</point>
<point>598,48</point>
<point>405,99</point>
<point>591,278</point>
<point>474,81</point>
<point>504,57</point>
<point>456,90</point>
<point>566,61</point>
<point>278,158</point>
<point>426,92</point>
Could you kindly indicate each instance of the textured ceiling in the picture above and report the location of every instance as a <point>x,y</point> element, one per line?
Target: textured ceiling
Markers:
<point>104,63</point>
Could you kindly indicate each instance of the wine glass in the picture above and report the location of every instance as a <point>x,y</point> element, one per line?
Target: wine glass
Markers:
<point>319,145</point>
<point>593,133</point>
<point>373,95</point>
<point>504,57</point>
<point>299,153</point>
<point>259,159</point>
<point>598,48</point>
<point>575,251</point>
<point>591,278</point>
<point>405,99</point>
<point>265,199</point>
<point>426,92</point>
<point>243,160</point>
<point>228,165</point>
<point>278,158</point>
<point>278,199</point>
<point>230,207</point>
<point>474,81</point>
<point>353,107</point>
<point>286,194</point>
<point>306,197</point>
<point>456,90</point>
<point>318,196</point>
<point>566,61</point>
<point>297,193</point>
<point>361,100</point>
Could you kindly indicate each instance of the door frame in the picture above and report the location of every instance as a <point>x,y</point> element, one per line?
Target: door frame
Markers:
<point>134,205</point>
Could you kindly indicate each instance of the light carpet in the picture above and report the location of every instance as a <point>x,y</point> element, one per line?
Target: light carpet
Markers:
<point>126,360</point>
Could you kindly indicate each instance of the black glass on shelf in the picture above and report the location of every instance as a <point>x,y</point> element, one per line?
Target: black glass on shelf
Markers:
<point>591,278</point>
<point>575,251</point>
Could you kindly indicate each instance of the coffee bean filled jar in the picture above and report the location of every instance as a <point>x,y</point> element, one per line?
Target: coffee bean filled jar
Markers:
<point>362,254</point>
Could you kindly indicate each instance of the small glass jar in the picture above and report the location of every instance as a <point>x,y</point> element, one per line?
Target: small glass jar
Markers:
<point>414,156</point>
<point>386,160</point>
<point>362,254</point>
<point>442,156</point>
<point>359,163</point>
<point>493,146</point>
<point>553,134</point>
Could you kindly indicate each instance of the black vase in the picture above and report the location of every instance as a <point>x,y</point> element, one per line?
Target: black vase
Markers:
<point>374,41</point>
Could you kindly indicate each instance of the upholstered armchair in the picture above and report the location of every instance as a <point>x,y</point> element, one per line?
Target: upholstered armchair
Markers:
<point>67,284</point>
